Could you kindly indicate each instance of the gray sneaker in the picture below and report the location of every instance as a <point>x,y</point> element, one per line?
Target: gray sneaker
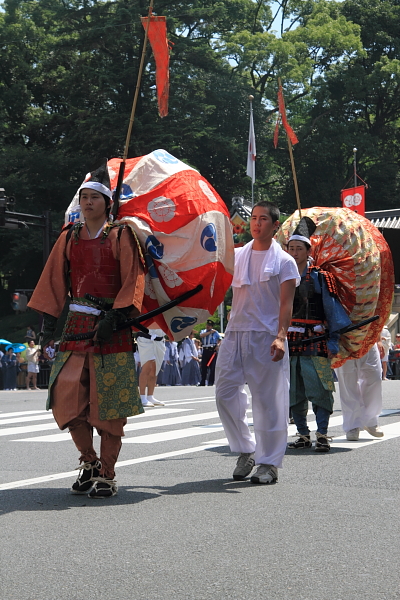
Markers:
<point>375,431</point>
<point>244,466</point>
<point>265,474</point>
<point>353,434</point>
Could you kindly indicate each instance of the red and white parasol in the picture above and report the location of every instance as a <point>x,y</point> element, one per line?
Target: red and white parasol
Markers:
<point>185,233</point>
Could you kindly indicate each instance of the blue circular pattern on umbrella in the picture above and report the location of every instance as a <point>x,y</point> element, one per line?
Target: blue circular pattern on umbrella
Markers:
<point>180,323</point>
<point>154,247</point>
<point>165,157</point>
<point>208,238</point>
<point>126,192</point>
<point>150,266</point>
<point>73,217</point>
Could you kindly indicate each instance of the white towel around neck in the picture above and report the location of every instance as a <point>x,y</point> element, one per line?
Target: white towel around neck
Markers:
<point>269,268</point>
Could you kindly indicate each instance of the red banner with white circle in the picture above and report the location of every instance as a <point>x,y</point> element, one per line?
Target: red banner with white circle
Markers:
<point>354,198</point>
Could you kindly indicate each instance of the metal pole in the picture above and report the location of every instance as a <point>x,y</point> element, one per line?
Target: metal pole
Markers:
<point>355,166</point>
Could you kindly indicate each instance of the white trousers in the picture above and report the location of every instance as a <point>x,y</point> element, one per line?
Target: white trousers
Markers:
<point>360,387</point>
<point>244,357</point>
<point>151,350</point>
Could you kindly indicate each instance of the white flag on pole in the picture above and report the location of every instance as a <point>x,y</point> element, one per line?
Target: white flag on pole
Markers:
<point>251,154</point>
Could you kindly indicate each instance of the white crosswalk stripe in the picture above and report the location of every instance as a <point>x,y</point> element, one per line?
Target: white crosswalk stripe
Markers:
<point>53,425</point>
<point>59,437</point>
<point>171,419</point>
<point>155,418</point>
<point>29,419</point>
<point>21,414</point>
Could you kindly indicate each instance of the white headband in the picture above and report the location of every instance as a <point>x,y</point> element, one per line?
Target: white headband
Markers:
<point>301,238</point>
<point>95,185</point>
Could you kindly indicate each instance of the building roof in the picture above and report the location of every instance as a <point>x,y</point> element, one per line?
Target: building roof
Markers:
<point>385,219</point>
<point>240,207</point>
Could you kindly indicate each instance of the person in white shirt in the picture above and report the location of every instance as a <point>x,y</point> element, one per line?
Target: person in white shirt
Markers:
<point>32,357</point>
<point>360,388</point>
<point>386,340</point>
<point>151,348</point>
<point>255,350</point>
<point>189,358</point>
<point>170,373</point>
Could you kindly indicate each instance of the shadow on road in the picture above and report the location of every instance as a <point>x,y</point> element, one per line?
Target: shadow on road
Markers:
<point>59,499</point>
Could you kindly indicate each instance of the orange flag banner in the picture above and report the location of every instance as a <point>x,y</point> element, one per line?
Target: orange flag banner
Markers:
<point>157,34</point>
<point>282,110</point>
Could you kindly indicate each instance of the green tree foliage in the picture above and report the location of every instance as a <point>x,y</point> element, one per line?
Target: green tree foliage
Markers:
<point>356,103</point>
<point>69,70</point>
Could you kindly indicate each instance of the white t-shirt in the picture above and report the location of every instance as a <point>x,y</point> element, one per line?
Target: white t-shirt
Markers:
<point>255,307</point>
<point>189,349</point>
<point>32,355</point>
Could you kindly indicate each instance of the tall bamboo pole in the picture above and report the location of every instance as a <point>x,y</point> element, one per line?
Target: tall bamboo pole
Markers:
<point>296,187</point>
<point>132,117</point>
<point>138,82</point>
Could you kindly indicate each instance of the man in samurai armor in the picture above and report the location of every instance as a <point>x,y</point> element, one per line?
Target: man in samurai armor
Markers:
<point>316,311</point>
<point>93,382</point>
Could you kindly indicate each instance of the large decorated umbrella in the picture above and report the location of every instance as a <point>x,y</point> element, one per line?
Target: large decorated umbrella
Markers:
<point>185,233</point>
<point>351,248</point>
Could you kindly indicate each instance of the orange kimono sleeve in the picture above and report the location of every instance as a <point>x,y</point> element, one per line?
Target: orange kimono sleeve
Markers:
<point>52,288</point>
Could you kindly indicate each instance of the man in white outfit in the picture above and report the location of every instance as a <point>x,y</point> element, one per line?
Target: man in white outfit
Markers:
<point>360,387</point>
<point>255,350</point>
<point>151,350</point>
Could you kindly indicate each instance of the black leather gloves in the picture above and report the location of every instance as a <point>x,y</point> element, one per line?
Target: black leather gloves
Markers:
<point>48,329</point>
<point>107,325</point>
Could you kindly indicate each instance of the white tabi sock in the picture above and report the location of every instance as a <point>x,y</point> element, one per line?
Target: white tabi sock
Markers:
<point>154,401</point>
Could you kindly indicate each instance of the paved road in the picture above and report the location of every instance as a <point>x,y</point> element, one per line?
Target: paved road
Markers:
<point>181,528</point>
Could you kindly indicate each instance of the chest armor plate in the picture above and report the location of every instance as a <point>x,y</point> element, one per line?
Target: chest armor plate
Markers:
<point>307,304</point>
<point>94,270</point>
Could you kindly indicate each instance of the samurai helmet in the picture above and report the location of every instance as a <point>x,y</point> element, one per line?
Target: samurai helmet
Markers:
<point>99,180</point>
<point>304,231</point>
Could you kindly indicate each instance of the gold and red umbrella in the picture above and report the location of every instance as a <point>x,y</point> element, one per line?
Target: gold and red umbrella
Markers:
<point>351,248</point>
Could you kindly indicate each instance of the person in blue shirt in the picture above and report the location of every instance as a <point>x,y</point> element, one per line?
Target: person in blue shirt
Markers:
<point>316,309</point>
<point>210,339</point>
<point>10,368</point>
